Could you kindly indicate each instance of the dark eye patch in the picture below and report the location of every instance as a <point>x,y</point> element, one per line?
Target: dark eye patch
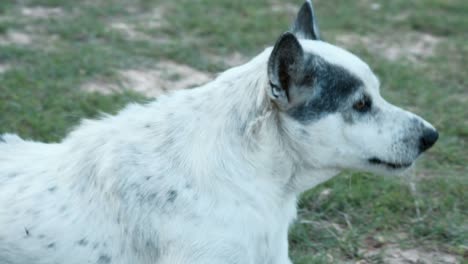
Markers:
<point>329,88</point>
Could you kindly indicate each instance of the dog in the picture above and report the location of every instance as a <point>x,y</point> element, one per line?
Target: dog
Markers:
<point>206,175</point>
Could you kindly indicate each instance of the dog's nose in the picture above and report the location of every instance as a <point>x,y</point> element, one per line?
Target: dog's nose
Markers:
<point>428,139</point>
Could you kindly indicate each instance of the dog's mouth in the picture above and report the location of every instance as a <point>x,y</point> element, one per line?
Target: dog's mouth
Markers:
<point>390,165</point>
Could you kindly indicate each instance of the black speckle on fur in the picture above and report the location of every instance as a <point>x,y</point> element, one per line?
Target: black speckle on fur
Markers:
<point>152,197</point>
<point>171,196</point>
<point>27,232</point>
<point>104,259</point>
<point>82,242</point>
<point>51,245</point>
<point>151,247</point>
<point>95,245</point>
<point>52,189</point>
<point>33,212</point>
<point>62,208</point>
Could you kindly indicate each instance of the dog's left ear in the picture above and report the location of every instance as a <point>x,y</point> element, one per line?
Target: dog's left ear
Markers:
<point>284,68</point>
<point>305,26</point>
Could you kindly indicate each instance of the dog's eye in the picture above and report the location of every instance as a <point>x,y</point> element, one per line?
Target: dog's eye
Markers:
<point>363,105</point>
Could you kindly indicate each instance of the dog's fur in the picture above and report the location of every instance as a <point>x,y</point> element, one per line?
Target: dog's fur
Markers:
<point>208,175</point>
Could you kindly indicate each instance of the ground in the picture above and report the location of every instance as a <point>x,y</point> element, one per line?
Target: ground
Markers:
<point>62,60</point>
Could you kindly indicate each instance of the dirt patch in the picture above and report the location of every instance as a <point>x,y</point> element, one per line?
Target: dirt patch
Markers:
<point>153,19</point>
<point>31,37</point>
<point>4,68</point>
<point>101,87</point>
<point>41,12</point>
<point>287,8</point>
<point>165,77</point>
<point>137,28</point>
<point>168,76</point>
<point>392,254</point>
<point>129,31</point>
<point>228,61</point>
<point>375,6</point>
<point>412,46</point>
<point>16,38</point>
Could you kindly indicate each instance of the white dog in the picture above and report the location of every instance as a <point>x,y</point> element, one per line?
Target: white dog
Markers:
<point>208,175</point>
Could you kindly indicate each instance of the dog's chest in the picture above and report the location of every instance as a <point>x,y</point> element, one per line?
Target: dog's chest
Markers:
<point>236,231</point>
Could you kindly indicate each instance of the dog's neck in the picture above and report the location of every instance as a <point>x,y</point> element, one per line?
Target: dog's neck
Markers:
<point>252,132</point>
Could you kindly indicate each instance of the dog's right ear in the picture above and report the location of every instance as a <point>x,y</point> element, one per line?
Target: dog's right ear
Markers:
<point>284,68</point>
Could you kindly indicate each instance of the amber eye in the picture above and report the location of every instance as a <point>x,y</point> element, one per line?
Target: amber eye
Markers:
<point>360,105</point>
<point>363,104</point>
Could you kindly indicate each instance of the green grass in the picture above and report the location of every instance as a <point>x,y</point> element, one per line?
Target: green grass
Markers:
<point>40,99</point>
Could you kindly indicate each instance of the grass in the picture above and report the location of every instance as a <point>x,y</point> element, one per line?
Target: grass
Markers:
<point>341,219</point>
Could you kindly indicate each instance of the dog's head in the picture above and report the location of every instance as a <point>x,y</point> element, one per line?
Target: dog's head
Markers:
<point>331,107</point>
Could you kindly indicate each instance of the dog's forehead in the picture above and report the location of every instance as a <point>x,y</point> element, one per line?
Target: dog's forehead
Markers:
<point>343,58</point>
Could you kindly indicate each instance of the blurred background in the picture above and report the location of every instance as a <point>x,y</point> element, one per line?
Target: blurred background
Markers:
<point>63,60</point>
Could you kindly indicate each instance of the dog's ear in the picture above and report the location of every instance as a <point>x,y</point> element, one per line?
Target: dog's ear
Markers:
<point>284,68</point>
<point>305,26</point>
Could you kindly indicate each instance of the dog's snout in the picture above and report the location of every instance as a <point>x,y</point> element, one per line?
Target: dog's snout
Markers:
<point>428,138</point>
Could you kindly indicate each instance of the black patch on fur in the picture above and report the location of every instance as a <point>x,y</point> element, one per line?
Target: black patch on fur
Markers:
<point>51,246</point>
<point>326,87</point>
<point>171,196</point>
<point>52,189</point>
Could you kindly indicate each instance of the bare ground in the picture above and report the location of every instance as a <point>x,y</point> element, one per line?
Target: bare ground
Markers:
<point>393,254</point>
<point>166,76</point>
<point>413,46</point>
<point>41,12</point>
<point>230,60</point>
<point>135,29</point>
<point>15,38</point>
<point>4,68</point>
